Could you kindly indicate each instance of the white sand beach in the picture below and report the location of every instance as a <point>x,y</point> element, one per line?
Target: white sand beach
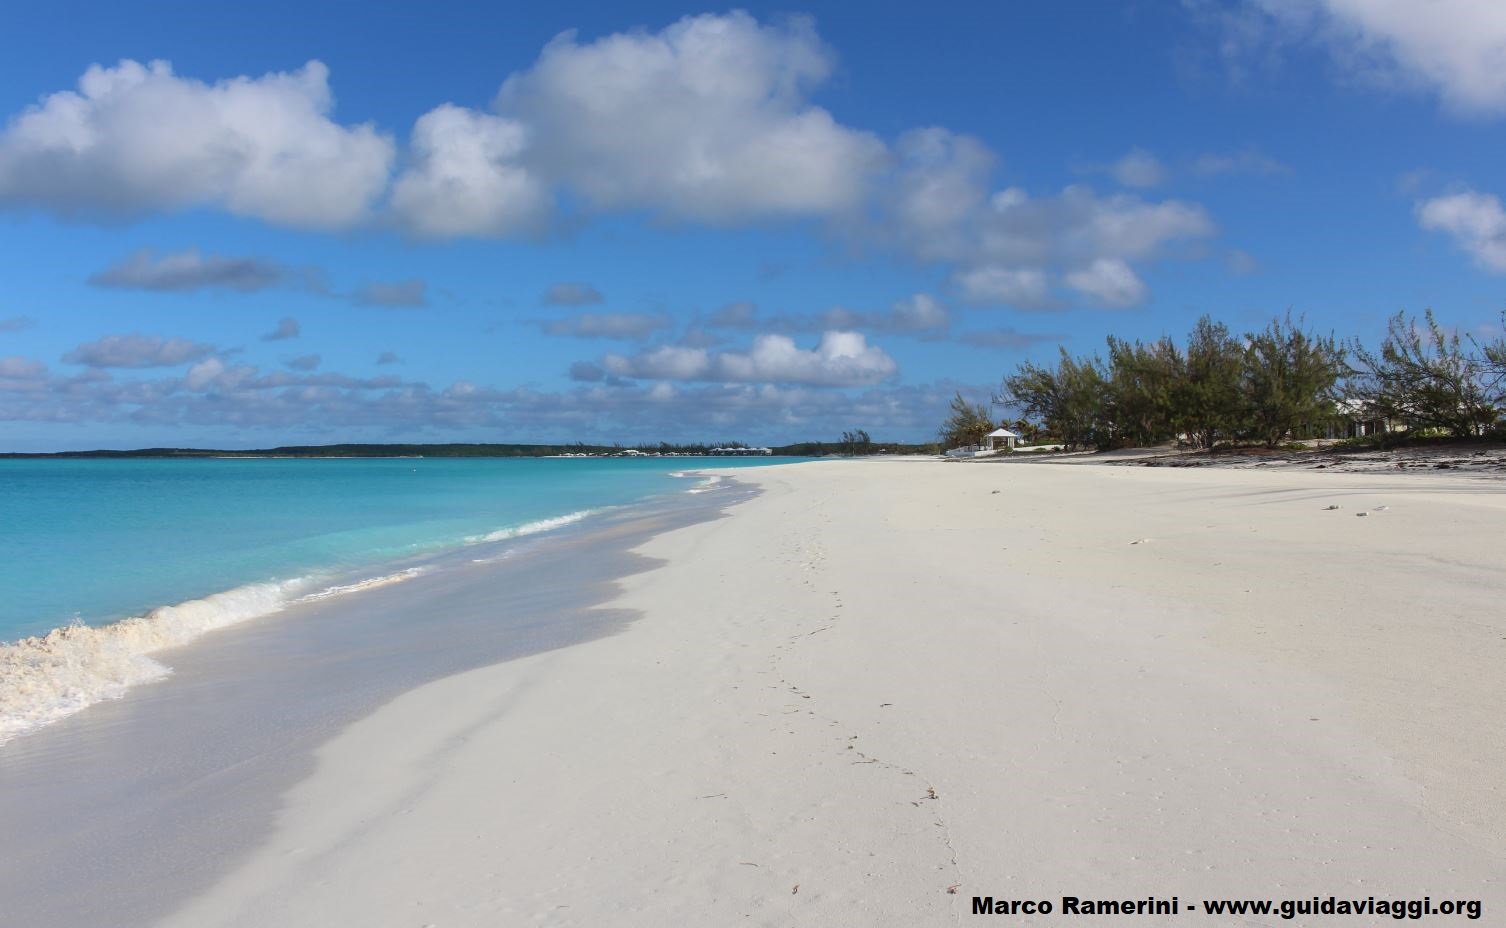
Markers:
<point>883,688</point>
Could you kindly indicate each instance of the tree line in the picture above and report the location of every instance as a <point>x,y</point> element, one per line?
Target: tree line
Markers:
<point>1268,386</point>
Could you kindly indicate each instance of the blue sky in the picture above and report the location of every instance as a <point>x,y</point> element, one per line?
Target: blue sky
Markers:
<point>323,222</point>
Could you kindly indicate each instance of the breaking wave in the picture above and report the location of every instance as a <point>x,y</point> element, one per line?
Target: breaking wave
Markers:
<point>49,677</point>
<point>46,678</point>
<point>533,528</point>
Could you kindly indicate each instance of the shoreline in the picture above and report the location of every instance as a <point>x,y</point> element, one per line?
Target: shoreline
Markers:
<point>118,814</point>
<point>49,672</point>
<point>874,692</point>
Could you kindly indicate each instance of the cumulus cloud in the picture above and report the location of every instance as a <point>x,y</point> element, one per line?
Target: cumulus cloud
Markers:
<point>287,327</point>
<point>935,191</point>
<point>402,294</point>
<point>466,178</point>
<point>1138,168</point>
<point>607,325</point>
<point>839,359</point>
<point>1110,282</point>
<point>1020,287</point>
<point>186,271</point>
<point>138,351</point>
<point>706,120</point>
<point>572,293</point>
<point>136,138</point>
<point>1455,48</point>
<point>1005,246</point>
<point>1475,221</point>
<point>17,324</point>
<point>918,313</point>
<point>388,357</point>
<point>1094,237</point>
<point>305,362</point>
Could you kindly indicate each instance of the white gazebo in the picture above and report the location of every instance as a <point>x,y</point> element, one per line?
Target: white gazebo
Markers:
<point>1001,438</point>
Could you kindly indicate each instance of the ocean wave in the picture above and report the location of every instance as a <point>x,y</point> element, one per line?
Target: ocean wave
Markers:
<point>533,528</point>
<point>368,584</point>
<point>50,677</point>
<point>706,485</point>
<point>46,678</point>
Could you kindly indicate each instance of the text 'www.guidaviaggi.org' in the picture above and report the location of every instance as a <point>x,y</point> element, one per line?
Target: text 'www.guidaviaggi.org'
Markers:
<point>1284,908</point>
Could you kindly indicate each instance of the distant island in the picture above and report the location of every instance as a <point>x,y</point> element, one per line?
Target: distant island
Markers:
<point>490,450</point>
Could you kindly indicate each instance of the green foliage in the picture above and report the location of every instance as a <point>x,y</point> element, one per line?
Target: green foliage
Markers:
<point>1424,377</point>
<point>967,424</point>
<point>1207,396</point>
<point>856,442</point>
<point>1140,399</point>
<point>1291,377</point>
<point>1217,388</point>
<point>1072,400</point>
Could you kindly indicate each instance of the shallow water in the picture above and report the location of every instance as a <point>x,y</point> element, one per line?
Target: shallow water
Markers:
<point>116,815</point>
<point>114,561</point>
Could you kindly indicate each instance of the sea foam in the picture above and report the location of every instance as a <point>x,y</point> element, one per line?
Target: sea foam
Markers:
<point>49,677</point>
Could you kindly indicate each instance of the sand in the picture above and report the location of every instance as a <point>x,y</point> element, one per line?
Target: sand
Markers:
<point>883,688</point>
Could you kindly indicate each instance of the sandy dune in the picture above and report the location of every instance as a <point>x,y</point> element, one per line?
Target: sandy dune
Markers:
<point>881,682</point>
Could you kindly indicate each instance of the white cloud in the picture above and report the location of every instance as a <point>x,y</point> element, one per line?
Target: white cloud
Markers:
<point>1109,281</point>
<point>1456,48</point>
<point>17,324</point>
<point>213,374</point>
<point>388,357</point>
<point>466,178</point>
<point>1006,247</point>
<point>939,184</point>
<point>840,359</point>
<point>705,120</point>
<point>1138,168</point>
<point>607,325</point>
<point>186,271</point>
<point>138,138</point>
<point>138,351</point>
<point>571,293</point>
<point>919,313</point>
<point>305,362</point>
<point>1475,221</point>
<point>1024,288</point>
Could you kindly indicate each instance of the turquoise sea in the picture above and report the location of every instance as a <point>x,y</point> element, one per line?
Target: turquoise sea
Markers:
<point>127,557</point>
